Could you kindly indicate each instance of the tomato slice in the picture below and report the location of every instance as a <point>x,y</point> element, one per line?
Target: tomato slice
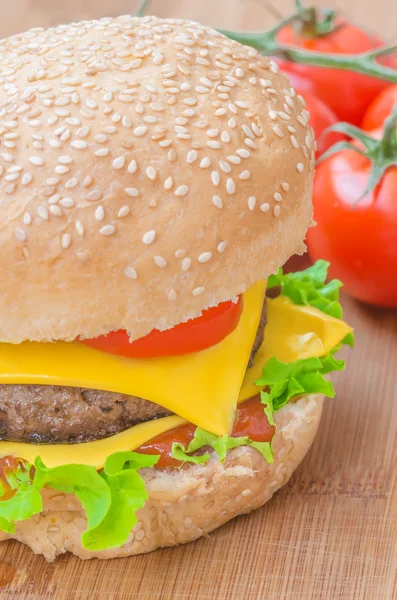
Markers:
<point>196,334</point>
<point>250,421</point>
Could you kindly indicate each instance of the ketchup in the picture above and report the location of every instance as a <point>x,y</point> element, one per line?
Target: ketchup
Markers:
<point>250,421</point>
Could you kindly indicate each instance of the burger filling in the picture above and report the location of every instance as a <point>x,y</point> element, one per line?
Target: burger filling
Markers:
<point>198,405</point>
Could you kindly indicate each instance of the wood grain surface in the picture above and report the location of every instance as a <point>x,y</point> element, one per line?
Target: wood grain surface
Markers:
<point>331,533</point>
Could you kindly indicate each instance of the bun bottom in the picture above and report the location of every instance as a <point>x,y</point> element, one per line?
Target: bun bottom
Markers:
<point>184,504</point>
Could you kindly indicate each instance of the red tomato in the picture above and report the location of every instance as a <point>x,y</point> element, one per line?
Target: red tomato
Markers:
<point>380,108</point>
<point>347,93</point>
<point>357,236</point>
<point>194,335</point>
<point>250,421</point>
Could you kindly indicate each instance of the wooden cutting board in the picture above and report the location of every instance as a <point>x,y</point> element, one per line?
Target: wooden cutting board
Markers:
<point>331,533</point>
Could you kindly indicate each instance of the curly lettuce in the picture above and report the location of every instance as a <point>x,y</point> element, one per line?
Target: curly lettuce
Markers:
<point>309,288</point>
<point>110,498</point>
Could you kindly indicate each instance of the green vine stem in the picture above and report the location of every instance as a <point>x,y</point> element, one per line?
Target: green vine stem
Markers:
<point>266,42</point>
<point>382,153</point>
<point>365,63</point>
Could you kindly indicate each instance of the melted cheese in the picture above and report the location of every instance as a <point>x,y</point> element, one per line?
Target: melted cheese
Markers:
<point>92,453</point>
<point>202,388</point>
<point>292,332</point>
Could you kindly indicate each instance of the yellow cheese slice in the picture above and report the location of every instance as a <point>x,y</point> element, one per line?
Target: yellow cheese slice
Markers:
<point>202,388</point>
<point>293,332</point>
<point>91,453</point>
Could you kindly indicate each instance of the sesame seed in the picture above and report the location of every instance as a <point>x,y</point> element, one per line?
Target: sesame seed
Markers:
<point>172,295</point>
<point>196,292</point>
<point>132,192</point>
<point>160,261</point>
<point>168,183</point>
<point>301,120</point>
<point>230,186</point>
<point>61,170</point>
<point>42,211</point>
<point>205,163</point>
<point>220,112</point>
<point>27,219</point>
<point>140,131</point>
<point>151,173</point>
<point>300,167</point>
<point>130,273</point>
<point>245,175</point>
<point>54,143</point>
<point>251,202</point>
<point>79,228</point>
<point>265,207</point>
<point>27,178</point>
<point>278,131</point>
<point>273,115</point>
<point>213,132</point>
<point>277,196</point>
<point>283,115</point>
<point>54,199</point>
<point>192,156</point>
<point>119,162</point>
<point>132,167</point>
<point>250,144</point>
<point>79,144</point>
<point>65,160</point>
<point>99,213</point>
<point>204,257</point>
<point>56,210</point>
<point>107,230</point>
<point>182,190</point>
<point>215,178</point>
<point>67,202</point>
<point>224,166</point>
<point>285,186</point>
<point>235,160</point>
<point>276,210</point>
<point>186,264</point>
<point>102,152</point>
<point>291,129</point>
<point>215,145</point>
<point>243,153</point>
<point>294,141</point>
<point>66,240</point>
<point>308,142</point>
<point>94,195</point>
<point>149,237</point>
<point>20,234</point>
<point>217,201</point>
<point>124,211</point>
<point>37,161</point>
<point>180,253</point>
<point>222,247</point>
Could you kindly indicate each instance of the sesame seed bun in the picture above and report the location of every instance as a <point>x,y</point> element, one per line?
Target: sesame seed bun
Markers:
<point>149,169</point>
<point>184,504</point>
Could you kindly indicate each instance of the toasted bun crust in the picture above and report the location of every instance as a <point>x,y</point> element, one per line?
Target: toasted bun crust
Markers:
<point>149,169</point>
<point>184,505</point>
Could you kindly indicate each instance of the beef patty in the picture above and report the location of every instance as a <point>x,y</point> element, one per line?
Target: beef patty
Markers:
<point>53,414</point>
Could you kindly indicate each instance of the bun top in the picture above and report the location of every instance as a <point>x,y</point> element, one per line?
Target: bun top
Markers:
<point>149,169</point>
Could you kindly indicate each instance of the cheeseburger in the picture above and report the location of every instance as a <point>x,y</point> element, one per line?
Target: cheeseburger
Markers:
<point>159,374</point>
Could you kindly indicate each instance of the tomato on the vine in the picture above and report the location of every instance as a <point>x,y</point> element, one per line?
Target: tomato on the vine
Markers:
<point>348,94</point>
<point>380,108</point>
<point>192,336</point>
<point>357,234</point>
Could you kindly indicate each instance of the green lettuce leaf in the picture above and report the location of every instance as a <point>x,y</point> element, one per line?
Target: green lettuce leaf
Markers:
<point>128,494</point>
<point>288,380</point>
<point>110,498</point>
<point>221,445</point>
<point>308,287</point>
